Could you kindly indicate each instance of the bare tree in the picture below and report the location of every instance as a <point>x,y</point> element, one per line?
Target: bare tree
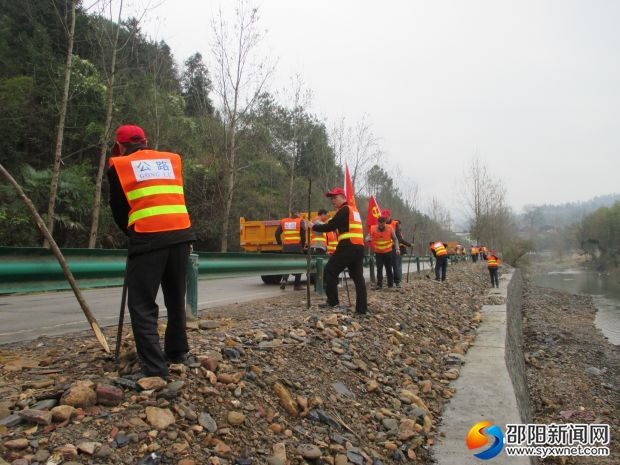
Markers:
<point>358,147</point>
<point>240,77</point>
<point>490,218</point>
<point>111,41</point>
<point>61,123</point>
<point>300,100</point>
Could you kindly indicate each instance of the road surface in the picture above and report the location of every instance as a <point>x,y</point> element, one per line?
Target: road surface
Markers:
<point>28,316</point>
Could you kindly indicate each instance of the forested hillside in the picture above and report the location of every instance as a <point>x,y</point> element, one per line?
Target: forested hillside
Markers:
<point>118,72</point>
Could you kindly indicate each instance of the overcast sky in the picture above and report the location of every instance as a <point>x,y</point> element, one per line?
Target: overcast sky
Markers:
<point>532,86</point>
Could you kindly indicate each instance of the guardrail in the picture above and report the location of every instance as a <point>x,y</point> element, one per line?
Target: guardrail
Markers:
<point>35,269</point>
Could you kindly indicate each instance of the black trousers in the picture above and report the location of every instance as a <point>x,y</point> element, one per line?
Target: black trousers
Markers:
<point>397,266</point>
<point>145,273</point>
<point>441,267</point>
<point>474,257</point>
<point>494,273</point>
<point>384,260</point>
<point>351,257</point>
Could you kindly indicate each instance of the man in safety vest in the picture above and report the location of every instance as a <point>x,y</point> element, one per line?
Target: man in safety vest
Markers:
<point>349,252</point>
<point>474,253</point>
<point>318,241</point>
<point>291,234</point>
<point>148,205</point>
<point>483,252</point>
<point>397,263</point>
<point>382,238</point>
<point>441,259</point>
<point>332,242</point>
<point>493,263</point>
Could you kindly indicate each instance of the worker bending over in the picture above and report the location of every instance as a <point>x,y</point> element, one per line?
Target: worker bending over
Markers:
<point>348,254</point>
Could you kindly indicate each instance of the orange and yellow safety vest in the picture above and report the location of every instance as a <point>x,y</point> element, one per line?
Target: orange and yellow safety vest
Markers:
<point>153,185</point>
<point>439,249</point>
<point>356,230</point>
<point>332,242</point>
<point>291,231</point>
<point>492,261</point>
<point>381,240</point>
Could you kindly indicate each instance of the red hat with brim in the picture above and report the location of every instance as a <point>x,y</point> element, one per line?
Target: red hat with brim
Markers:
<point>386,213</point>
<point>128,134</point>
<point>335,191</point>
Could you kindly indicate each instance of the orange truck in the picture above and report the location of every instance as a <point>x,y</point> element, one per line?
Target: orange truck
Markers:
<point>452,247</point>
<point>260,236</point>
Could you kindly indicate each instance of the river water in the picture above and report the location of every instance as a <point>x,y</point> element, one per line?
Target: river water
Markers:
<point>605,294</point>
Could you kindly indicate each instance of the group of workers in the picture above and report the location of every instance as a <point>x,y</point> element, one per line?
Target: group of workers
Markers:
<point>148,204</point>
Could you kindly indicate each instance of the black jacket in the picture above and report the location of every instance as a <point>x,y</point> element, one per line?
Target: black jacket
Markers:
<point>339,222</point>
<point>404,243</point>
<point>140,242</point>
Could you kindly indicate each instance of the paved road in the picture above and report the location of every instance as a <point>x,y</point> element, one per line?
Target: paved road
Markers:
<point>26,317</point>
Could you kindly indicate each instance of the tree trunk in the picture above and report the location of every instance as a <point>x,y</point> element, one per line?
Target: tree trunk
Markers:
<point>61,259</point>
<point>61,128</point>
<point>292,181</point>
<point>94,225</point>
<point>229,190</point>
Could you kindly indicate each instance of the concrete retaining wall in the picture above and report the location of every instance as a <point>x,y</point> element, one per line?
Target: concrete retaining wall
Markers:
<point>514,346</point>
<point>492,386</point>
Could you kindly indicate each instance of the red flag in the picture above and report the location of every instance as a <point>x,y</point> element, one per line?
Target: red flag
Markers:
<point>374,212</point>
<point>348,187</point>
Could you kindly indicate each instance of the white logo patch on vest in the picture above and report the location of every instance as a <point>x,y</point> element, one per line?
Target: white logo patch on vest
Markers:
<point>145,170</point>
<point>290,225</point>
<point>357,217</point>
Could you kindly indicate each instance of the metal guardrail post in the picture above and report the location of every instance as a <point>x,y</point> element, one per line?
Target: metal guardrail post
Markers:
<point>191,298</point>
<point>373,277</point>
<point>320,266</point>
<point>417,263</point>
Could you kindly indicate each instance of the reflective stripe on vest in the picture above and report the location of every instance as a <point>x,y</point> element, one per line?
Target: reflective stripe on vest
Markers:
<point>317,238</point>
<point>291,231</point>
<point>153,185</point>
<point>381,240</point>
<point>439,249</point>
<point>492,261</point>
<point>355,233</point>
<point>332,242</point>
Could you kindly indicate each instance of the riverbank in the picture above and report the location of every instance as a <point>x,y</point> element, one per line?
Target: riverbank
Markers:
<point>573,373</point>
<point>272,383</point>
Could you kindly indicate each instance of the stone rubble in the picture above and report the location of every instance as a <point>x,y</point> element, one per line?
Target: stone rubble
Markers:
<point>268,382</point>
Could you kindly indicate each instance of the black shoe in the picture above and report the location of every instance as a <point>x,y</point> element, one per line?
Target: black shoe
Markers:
<point>185,358</point>
<point>365,314</point>
<point>327,305</point>
<point>397,284</point>
<point>299,287</point>
<point>378,288</point>
<point>283,286</point>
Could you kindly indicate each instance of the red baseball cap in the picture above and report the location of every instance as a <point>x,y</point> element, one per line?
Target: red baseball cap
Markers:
<point>335,191</point>
<point>128,134</point>
<point>386,213</point>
